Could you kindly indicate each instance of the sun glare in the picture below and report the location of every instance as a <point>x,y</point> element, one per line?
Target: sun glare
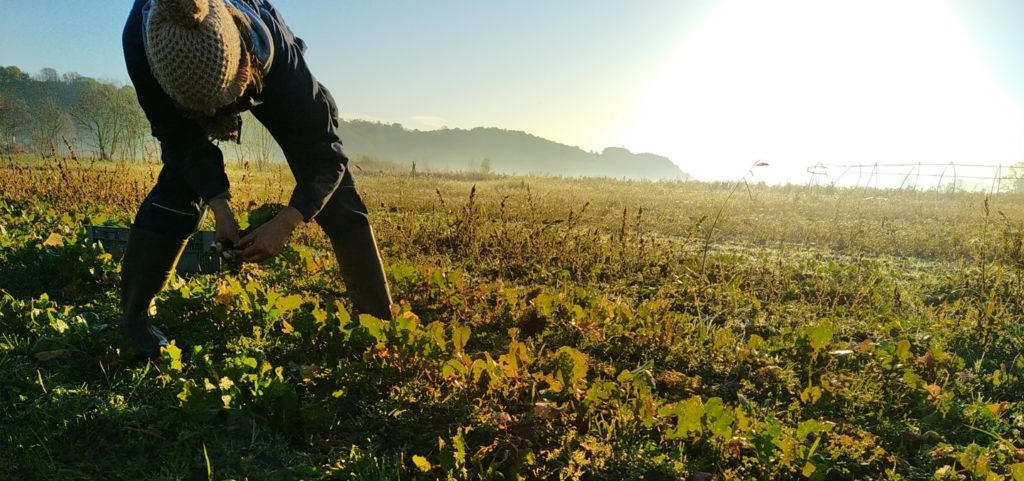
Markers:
<point>795,82</point>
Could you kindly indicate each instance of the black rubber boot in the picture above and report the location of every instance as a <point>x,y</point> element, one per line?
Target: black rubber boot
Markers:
<point>363,272</point>
<point>148,263</point>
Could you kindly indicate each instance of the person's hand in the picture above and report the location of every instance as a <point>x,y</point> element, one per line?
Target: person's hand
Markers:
<point>268,239</point>
<point>227,226</point>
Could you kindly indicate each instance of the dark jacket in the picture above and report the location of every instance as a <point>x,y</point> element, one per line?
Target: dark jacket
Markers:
<point>299,113</point>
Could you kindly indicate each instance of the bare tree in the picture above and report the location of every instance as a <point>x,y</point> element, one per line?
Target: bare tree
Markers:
<point>92,112</point>
<point>150,149</point>
<point>258,146</point>
<point>131,131</point>
<point>13,114</point>
<point>112,119</point>
<point>49,123</point>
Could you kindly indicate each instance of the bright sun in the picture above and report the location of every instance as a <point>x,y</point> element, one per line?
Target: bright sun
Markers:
<point>795,82</point>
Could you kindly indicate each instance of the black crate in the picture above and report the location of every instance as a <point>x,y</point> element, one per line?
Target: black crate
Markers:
<point>197,258</point>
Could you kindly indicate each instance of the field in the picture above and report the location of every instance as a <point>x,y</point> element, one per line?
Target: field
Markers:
<point>547,329</point>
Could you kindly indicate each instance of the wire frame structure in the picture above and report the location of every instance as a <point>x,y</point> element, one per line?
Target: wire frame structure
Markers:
<point>950,176</point>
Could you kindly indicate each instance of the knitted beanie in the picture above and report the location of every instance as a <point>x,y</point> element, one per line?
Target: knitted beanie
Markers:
<point>195,52</point>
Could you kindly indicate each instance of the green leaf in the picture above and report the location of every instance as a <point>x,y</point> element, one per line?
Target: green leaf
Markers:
<point>172,355</point>
<point>453,367</point>
<point>719,418</point>
<point>808,470</point>
<point>903,350</point>
<point>820,336</point>
<point>405,327</point>
<point>374,326</point>
<point>601,391</point>
<point>912,380</point>
<point>342,314</point>
<point>479,367</point>
<point>289,303</point>
<point>811,395</point>
<point>1017,472</point>
<point>54,240</point>
<point>690,413</point>
<point>421,463</point>
<point>459,443</point>
<point>435,332</point>
<point>571,366</point>
<point>460,336</point>
<point>319,316</point>
<point>249,362</point>
<point>811,426</point>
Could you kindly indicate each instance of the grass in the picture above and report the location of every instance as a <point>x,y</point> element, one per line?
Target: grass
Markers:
<point>547,329</point>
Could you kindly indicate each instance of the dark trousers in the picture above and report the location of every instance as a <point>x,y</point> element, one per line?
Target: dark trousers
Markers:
<point>174,210</point>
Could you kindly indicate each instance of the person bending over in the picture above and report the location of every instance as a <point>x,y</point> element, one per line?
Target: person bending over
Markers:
<point>196,65</point>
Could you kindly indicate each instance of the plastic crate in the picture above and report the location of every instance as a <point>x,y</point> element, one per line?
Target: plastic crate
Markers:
<point>197,258</point>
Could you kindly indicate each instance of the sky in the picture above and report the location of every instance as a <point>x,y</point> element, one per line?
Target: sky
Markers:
<point>714,85</point>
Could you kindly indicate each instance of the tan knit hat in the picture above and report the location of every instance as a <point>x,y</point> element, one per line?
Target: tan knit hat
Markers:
<point>195,52</point>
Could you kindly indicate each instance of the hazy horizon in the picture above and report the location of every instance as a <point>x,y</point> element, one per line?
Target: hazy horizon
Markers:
<point>714,86</point>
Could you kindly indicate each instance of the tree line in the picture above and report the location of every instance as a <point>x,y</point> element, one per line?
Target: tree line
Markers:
<point>49,114</point>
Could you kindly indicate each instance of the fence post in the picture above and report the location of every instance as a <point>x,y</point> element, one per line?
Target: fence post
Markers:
<point>995,180</point>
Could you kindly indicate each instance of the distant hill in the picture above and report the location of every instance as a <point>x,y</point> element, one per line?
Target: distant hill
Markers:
<point>52,113</point>
<point>498,150</point>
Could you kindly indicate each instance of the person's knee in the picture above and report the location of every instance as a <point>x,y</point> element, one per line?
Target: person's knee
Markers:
<point>177,220</point>
<point>344,213</point>
<point>336,224</point>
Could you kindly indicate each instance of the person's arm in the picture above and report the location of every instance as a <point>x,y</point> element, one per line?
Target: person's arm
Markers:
<point>185,146</point>
<point>303,118</point>
<point>305,124</point>
<point>323,176</point>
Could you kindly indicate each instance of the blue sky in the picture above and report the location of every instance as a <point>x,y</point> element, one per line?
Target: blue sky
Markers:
<point>530,65</point>
<point>714,85</point>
